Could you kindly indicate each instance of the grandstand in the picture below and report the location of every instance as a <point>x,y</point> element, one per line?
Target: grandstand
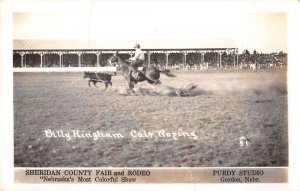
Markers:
<point>83,53</point>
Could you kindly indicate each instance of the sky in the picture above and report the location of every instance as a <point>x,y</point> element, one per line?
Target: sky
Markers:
<point>161,24</point>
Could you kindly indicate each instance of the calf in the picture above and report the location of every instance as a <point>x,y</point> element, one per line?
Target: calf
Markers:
<point>98,77</point>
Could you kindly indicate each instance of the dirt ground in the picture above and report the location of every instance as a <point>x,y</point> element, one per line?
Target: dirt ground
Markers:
<point>113,128</point>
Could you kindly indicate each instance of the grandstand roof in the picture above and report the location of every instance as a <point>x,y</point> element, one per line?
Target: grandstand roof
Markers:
<point>34,44</point>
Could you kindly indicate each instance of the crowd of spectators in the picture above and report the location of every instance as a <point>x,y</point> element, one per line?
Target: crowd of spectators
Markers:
<point>229,61</point>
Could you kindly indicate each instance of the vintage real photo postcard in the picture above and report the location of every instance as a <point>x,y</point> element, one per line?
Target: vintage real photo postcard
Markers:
<point>146,92</point>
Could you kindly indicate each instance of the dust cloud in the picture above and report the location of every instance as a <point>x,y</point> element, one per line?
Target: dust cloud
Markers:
<point>206,88</point>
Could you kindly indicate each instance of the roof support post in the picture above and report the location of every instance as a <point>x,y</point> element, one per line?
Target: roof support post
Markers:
<point>234,53</point>
<point>60,59</point>
<point>220,65</point>
<point>98,59</point>
<point>167,59</point>
<point>237,56</point>
<point>22,60</point>
<point>202,56</point>
<point>149,57</point>
<point>79,59</point>
<point>184,61</point>
<point>220,58</point>
<point>41,54</point>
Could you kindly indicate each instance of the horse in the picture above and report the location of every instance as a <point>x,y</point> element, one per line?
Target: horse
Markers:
<point>98,77</point>
<point>150,74</point>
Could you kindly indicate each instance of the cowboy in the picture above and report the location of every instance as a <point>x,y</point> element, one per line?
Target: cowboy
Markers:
<point>137,60</point>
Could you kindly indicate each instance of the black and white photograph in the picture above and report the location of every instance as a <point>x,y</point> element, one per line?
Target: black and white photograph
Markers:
<point>199,99</point>
<point>150,84</point>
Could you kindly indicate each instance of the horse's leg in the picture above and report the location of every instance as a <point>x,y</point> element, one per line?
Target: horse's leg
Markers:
<point>131,86</point>
<point>157,82</point>
<point>89,83</point>
<point>106,85</point>
<point>150,81</point>
<point>95,83</point>
<point>130,82</point>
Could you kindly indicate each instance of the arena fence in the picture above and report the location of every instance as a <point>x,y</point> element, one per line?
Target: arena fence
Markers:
<point>68,69</point>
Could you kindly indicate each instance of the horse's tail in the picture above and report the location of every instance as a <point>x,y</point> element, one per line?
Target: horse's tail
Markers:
<point>167,73</point>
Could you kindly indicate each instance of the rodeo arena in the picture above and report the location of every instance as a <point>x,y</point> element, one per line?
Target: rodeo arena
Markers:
<point>206,106</point>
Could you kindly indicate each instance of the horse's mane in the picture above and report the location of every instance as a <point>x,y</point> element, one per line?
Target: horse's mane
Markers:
<point>124,65</point>
<point>121,60</point>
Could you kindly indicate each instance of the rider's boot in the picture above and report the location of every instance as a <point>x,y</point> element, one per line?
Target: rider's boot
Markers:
<point>135,74</point>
